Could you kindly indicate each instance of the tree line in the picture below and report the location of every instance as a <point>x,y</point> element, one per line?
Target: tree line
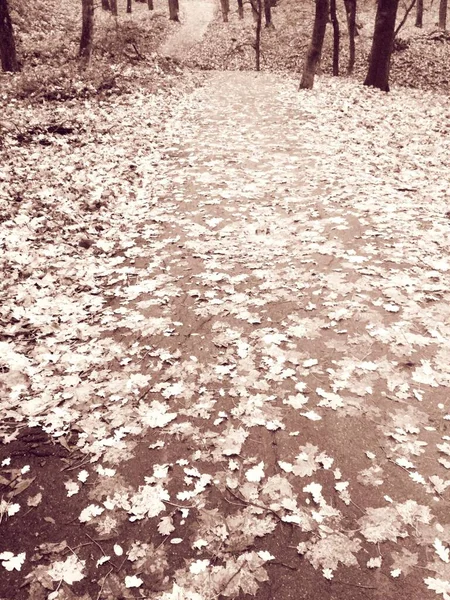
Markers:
<point>383,38</point>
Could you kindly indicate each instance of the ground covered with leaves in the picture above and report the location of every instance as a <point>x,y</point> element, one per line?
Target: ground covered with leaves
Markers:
<point>224,343</point>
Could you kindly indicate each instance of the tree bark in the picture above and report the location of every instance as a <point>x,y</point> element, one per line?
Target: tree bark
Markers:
<point>443,14</point>
<point>87,30</point>
<point>336,37</point>
<point>350,9</point>
<point>113,4</point>
<point>258,33</point>
<point>419,14</point>
<point>173,10</point>
<point>315,47</point>
<point>8,54</point>
<point>268,13</point>
<point>240,8</point>
<point>382,43</point>
<point>225,6</point>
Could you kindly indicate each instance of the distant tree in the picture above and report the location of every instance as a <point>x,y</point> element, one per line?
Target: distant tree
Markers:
<point>113,4</point>
<point>350,9</point>
<point>336,37</point>
<point>173,10</point>
<point>443,4</point>
<point>150,5</point>
<point>257,9</point>
<point>225,6</point>
<point>128,6</point>
<point>268,12</point>
<point>419,13</point>
<point>7,43</point>
<point>240,8</point>
<point>87,29</point>
<point>106,5</point>
<point>315,47</point>
<point>382,44</point>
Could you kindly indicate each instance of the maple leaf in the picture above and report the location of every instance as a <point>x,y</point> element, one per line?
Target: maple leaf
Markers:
<point>148,502</point>
<point>12,562</point>
<point>333,549</point>
<point>71,570</point>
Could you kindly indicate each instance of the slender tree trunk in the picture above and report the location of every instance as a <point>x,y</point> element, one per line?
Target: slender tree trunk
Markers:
<point>254,4</point>
<point>113,4</point>
<point>258,34</point>
<point>241,8</point>
<point>173,10</point>
<point>87,30</point>
<point>419,13</point>
<point>106,5</point>
<point>443,14</point>
<point>225,6</point>
<point>382,43</point>
<point>8,54</point>
<point>268,13</point>
<point>128,6</point>
<point>350,9</point>
<point>150,5</point>
<point>315,47</point>
<point>336,37</point>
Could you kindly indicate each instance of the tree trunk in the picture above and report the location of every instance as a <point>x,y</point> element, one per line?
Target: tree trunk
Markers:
<point>315,47</point>
<point>383,39</point>
<point>173,10</point>
<point>268,13</point>
<point>241,8</point>
<point>87,30</point>
<point>106,5</point>
<point>128,6</point>
<point>8,54</point>
<point>257,8</point>
<point>150,5</point>
<point>113,4</point>
<point>336,37</point>
<point>350,9</point>
<point>225,6</point>
<point>443,14</point>
<point>419,13</point>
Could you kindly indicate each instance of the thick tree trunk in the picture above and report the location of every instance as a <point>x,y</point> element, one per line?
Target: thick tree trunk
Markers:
<point>225,6</point>
<point>268,13</point>
<point>113,4</point>
<point>8,54</point>
<point>315,47</point>
<point>419,13</point>
<point>350,9</point>
<point>87,30</point>
<point>128,6</point>
<point>443,14</point>
<point>173,10</point>
<point>106,5</point>
<point>150,5</point>
<point>241,8</point>
<point>336,37</point>
<point>382,43</point>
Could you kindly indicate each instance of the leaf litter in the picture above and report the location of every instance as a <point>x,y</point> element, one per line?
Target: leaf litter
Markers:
<point>233,331</point>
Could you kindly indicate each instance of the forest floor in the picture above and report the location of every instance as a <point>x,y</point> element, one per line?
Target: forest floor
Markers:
<point>225,344</point>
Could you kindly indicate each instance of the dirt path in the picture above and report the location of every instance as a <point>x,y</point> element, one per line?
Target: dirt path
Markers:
<point>262,405</point>
<point>195,16</point>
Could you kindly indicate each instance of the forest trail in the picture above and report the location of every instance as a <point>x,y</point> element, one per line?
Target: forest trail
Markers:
<point>249,380</point>
<point>195,16</point>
